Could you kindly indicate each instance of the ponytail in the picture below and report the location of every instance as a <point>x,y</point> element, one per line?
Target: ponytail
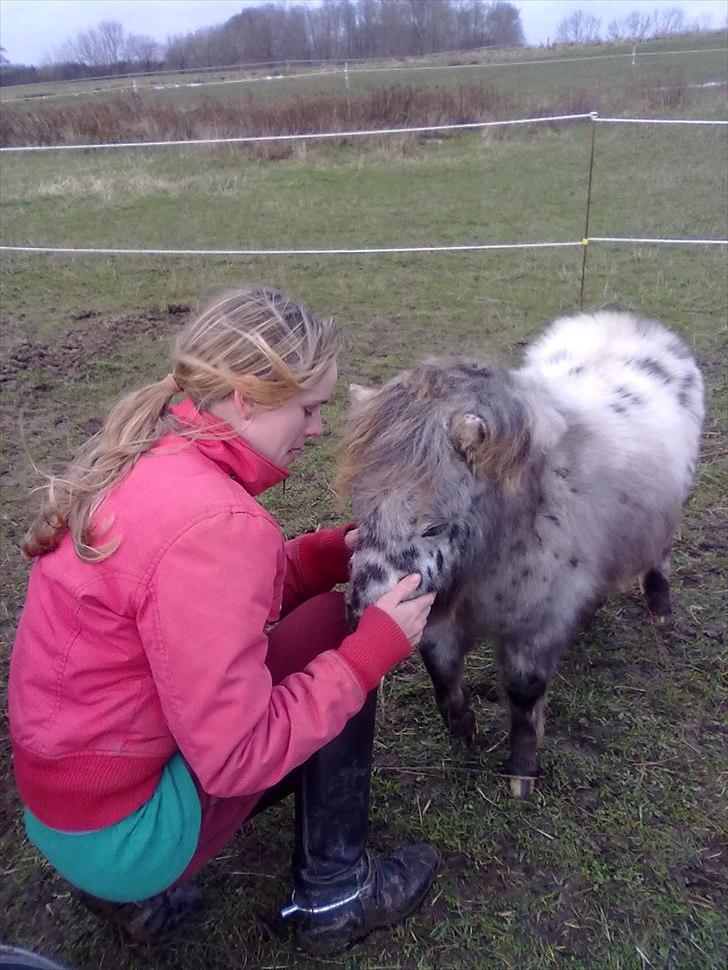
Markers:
<point>257,342</point>
<point>134,425</point>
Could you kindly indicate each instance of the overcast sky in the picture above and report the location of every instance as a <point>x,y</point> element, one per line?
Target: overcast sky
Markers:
<point>29,28</point>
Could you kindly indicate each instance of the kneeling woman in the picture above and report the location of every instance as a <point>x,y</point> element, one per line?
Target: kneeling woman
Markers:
<point>152,710</point>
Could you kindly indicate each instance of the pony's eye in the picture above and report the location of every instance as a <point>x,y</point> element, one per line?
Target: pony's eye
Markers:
<point>434,530</point>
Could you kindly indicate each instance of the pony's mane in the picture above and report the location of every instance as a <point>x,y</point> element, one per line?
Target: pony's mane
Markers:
<point>397,436</point>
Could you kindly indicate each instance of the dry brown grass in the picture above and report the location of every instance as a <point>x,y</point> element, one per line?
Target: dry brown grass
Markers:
<point>132,117</point>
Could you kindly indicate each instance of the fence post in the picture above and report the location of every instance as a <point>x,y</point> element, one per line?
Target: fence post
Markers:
<point>348,93</point>
<point>634,55</point>
<point>585,240</point>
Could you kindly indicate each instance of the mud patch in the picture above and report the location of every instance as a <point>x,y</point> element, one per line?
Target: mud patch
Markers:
<point>705,876</point>
<point>84,350</point>
<point>585,740</point>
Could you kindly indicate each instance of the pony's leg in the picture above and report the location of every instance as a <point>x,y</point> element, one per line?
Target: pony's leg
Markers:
<point>656,590</point>
<point>527,674</point>
<point>443,649</point>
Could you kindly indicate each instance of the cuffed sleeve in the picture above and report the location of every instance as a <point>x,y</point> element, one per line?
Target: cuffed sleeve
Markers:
<point>315,562</point>
<point>202,622</point>
<point>376,646</point>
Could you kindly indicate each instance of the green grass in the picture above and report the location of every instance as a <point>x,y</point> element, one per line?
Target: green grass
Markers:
<point>619,861</point>
<point>467,189</point>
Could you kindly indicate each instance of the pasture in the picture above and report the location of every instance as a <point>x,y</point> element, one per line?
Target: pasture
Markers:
<point>618,862</point>
<point>546,70</point>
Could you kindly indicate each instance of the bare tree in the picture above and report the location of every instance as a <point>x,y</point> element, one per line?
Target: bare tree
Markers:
<point>670,20</point>
<point>637,25</point>
<point>578,28</point>
<point>340,29</point>
<point>503,25</point>
<point>702,23</point>
<point>103,47</point>
<point>142,50</point>
<point>99,46</point>
<point>470,20</point>
<point>614,30</point>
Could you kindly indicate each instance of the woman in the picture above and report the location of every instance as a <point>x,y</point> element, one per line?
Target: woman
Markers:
<point>152,710</point>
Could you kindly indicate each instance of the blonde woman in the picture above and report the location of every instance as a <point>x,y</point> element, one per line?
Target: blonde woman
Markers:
<point>152,708</point>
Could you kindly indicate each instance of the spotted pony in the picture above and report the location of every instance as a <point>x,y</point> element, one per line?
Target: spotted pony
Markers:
<point>524,497</point>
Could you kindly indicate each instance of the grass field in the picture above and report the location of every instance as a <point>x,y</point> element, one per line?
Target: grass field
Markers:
<point>607,67</point>
<point>619,861</point>
<point>678,78</point>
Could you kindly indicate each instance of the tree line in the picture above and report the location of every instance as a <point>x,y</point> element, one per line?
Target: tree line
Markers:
<point>581,27</point>
<point>335,30</point>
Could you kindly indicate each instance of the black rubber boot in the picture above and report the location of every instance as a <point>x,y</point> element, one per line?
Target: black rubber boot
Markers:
<point>341,890</point>
<point>152,920</point>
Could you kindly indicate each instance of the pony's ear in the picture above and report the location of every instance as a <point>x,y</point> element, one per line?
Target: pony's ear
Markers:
<point>358,394</point>
<point>498,454</point>
<point>467,432</point>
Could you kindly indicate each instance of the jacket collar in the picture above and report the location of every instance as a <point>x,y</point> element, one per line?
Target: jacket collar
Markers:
<point>229,450</point>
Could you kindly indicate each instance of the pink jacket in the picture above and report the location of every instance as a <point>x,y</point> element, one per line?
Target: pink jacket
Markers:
<point>161,647</point>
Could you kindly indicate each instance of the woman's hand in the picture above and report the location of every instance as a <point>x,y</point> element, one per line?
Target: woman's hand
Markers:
<point>410,615</point>
<point>350,539</point>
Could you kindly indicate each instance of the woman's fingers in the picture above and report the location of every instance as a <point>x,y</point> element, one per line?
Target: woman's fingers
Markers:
<point>402,589</point>
<point>409,614</point>
<point>423,605</point>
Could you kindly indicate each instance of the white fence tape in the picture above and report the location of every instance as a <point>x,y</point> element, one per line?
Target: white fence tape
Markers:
<point>335,71</point>
<point>251,139</point>
<point>466,247</point>
<point>542,60</point>
<point>252,65</point>
<point>664,242</point>
<point>360,133</point>
<point>659,121</point>
<point>169,87</point>
<point>360,251</point>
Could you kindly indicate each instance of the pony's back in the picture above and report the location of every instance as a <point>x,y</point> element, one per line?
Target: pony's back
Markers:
<point>633,381</point>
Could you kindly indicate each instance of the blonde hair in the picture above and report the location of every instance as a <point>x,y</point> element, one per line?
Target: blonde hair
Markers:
<point>257,342</point>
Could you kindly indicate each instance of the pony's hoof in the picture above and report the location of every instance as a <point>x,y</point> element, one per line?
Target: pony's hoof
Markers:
<point>472,736</point>
<point>521,786</point>
<point>464,727</point>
